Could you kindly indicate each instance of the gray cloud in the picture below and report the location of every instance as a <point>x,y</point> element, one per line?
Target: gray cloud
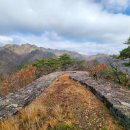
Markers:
<point>83,23</point>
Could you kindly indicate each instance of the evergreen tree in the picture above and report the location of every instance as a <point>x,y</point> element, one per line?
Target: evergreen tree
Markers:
<point>125,53</point>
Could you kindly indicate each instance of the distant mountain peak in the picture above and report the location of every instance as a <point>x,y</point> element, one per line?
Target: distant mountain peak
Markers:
<point>17,55</point>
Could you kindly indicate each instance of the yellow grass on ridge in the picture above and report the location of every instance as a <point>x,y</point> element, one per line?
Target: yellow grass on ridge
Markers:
<point>64,101</point>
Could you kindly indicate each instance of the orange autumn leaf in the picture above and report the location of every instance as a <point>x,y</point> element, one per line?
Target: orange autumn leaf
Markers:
<point>19,79</point>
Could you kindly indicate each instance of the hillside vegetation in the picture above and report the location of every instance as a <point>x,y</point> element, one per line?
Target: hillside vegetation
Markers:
<point>14,57</point>
<point>45,66</point>
<point>125,53</point>
<point>64,105</point>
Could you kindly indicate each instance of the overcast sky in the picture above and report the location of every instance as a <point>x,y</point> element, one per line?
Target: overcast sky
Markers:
<point>85,26</point>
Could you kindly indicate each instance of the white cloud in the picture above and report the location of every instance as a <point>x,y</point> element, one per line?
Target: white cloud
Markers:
<point>5,40</point>
<point>66,20</point>
<point>54,41</point>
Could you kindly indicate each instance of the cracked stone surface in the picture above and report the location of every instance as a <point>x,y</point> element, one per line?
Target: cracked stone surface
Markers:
<point>115,97</point>
<point>13,102</point>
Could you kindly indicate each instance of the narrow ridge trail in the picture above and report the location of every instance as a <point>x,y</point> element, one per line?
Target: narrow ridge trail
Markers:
<point>66,99</point>
<point>89,111</point>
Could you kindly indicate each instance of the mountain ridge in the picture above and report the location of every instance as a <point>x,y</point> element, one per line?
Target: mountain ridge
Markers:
<point>13,56</point>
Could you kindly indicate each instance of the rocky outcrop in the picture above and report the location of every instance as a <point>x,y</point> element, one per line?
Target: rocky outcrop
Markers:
<point>116,98</point>
<point>13,102</point>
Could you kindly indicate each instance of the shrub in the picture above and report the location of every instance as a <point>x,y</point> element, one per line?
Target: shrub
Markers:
<point>104,129</point>
<point>46,66</point>
<point>65,61</point>
<point>127,64</point>
<point>63,126</point>
<point>50,65</point>
<point>117,75</point>
<point>99,68</point>
<point>110,73</point>
<point>19,79</point>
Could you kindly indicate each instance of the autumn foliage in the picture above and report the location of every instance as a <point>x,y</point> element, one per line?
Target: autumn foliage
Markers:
<point>98,68</point>
<point>19,79</point>
<point>36,70</point>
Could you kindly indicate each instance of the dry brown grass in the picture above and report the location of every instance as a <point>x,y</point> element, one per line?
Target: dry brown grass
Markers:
<point>64,101</point>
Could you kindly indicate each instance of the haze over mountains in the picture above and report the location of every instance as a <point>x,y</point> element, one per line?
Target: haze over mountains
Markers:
<point>12,56</point>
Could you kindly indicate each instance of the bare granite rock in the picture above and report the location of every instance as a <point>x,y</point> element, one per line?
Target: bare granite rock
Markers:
<point>13,102</point>
<point>115,97</point>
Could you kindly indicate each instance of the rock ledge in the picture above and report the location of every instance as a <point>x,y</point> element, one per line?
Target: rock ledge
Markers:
<point>116,98</point>
<point>13,102</point>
